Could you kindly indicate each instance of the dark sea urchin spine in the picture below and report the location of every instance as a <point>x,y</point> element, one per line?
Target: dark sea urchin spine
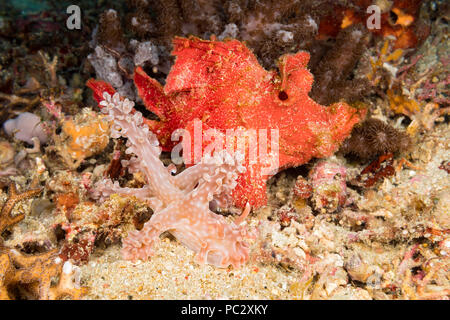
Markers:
<point>372,138</point>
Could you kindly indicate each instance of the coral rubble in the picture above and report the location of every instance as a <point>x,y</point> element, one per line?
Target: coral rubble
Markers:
<point>351,207</point>
<point>328,181</point>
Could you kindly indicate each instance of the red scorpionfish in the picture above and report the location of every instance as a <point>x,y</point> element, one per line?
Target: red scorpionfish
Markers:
<point>221,85</point>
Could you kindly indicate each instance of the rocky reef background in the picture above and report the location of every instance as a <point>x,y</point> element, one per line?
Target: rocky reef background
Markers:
<point>371,222</point>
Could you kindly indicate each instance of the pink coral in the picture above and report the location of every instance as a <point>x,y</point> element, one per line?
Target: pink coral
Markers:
<point>181,202</point>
